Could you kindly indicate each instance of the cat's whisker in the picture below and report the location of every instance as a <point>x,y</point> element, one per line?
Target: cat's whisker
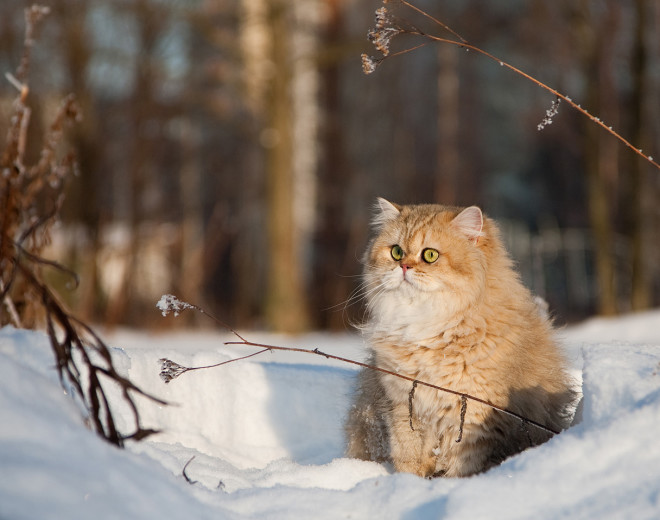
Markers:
<point>360,293</point>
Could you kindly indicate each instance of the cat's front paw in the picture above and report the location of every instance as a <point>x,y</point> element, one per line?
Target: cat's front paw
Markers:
<point>423,468</point>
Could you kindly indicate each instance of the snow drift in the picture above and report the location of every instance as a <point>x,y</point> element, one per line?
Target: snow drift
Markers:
<point>262,438</point>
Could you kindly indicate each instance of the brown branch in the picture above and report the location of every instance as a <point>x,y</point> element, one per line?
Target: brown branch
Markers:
<point>180,369</point>
<point>93,394</point>
<point>411,396</point>
<point>464,399</point>
<point>434,20</point>
<point>183,471</point>
<point>401,376</point>
<point>170,370</point>
<point>464,44</point>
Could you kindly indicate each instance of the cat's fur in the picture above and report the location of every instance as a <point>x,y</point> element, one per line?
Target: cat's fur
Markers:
<point>464,322</point>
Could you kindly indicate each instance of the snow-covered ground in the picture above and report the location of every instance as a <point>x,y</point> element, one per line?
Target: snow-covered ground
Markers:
<point>266,437</point>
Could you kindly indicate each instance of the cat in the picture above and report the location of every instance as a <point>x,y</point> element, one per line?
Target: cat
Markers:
<point>446,307</point>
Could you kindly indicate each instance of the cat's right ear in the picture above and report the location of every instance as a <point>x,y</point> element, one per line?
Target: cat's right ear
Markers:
<point>470,222</point>
<point>385,211</point>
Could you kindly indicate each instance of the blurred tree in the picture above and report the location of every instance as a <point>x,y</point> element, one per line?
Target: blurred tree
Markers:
<point>448,161</point>
<point>71,19</point>
<point>636,210</point>
<point>285,298</point>
<point>143,117</point>
<point>593,30</point>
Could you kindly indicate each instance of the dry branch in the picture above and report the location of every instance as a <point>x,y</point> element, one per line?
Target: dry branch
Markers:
<point>31,196</point>
<point>411,396</point>
<point>387,24</point>
<point>167,374</point>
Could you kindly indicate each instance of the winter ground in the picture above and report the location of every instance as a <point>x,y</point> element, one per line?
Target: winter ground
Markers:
<point>266,438</point>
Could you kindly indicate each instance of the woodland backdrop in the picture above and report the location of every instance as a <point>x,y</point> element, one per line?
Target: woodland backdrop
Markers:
<point>230,151</point>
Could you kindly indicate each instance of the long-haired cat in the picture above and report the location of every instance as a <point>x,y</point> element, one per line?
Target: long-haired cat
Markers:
<point>446,307</point>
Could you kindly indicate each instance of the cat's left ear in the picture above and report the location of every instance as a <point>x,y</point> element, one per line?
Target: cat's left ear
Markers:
<point>470,222</point>
<point>384,212</point>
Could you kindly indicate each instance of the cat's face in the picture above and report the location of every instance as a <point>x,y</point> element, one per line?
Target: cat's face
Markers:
<point>425,253</point>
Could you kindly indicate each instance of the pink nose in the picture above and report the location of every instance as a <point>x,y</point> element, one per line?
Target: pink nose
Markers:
<point>405,267</point>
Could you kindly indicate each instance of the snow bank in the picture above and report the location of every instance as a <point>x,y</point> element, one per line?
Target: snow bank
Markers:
<point>265,438</point>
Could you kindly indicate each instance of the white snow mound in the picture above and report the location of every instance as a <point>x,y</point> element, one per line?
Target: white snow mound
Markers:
<point>262,438</point>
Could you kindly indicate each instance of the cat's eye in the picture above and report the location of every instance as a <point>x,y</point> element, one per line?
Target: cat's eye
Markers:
<point>396,252</point>
<point>430,255</point>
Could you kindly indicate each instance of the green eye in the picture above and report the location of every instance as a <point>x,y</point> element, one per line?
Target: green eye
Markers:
<point>430,255</point>
<point>397,252</point>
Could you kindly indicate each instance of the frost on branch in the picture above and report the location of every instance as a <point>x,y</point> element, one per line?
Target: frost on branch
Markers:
<point>381,35</point>
<point>170,303</point>
<point>369,64</point>
<point>384,31</point>
<point>549,114</point>
<point>170,369</point>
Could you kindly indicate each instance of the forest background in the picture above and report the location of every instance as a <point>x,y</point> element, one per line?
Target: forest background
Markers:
<point>230,151</point>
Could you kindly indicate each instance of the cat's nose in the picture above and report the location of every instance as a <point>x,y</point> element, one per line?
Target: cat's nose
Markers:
<point>405,267</point>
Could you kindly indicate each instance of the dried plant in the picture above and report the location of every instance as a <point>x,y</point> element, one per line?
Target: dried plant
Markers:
<point>171,370</point>
<point>31,196</point>
<point>389,25</point>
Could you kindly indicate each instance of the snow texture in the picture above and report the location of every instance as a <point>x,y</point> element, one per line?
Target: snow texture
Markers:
<point>263,437</point>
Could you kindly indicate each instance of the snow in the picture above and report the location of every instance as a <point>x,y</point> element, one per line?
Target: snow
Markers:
<point>262,437</point>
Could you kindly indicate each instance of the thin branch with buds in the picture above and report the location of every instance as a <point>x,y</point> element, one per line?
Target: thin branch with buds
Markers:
<point>168,373</point>
<point>392,26</point>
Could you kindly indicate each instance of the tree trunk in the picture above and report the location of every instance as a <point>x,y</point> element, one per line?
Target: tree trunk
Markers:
<point>121,306</point>
<point>597,161</point>
<point>635,205</point>
<point>85,137</point>
<point>448,126</point>
<point>192,228</point>
<point>286,306</point>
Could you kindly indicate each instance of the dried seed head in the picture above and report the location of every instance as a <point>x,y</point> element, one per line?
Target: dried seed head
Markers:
<point>369,64</point>
<point>385,30</point>
<point>170,303</point>
<point>170,370</point>
<point>381,38</point>
<point>382,18</point>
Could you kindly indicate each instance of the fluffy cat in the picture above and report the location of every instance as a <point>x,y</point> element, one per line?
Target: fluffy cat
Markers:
<point>446,307</point>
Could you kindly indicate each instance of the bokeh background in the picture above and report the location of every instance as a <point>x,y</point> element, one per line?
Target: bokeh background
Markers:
<point>230,151</point>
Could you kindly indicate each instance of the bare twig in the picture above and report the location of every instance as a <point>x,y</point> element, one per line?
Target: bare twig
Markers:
<point>183,471</point>
<point>464,399</point>
<point>411,396</point>
<point>169,303</point>
<point>369,65</point>
<point>9,304</point>
<point>170,370</point>
<point>72,338</point>
<point>181,369</point>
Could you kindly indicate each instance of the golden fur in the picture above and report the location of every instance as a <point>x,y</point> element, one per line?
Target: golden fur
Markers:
<point>463,322</point>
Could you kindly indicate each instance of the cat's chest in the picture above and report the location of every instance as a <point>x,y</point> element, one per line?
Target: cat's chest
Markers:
<point>445,369</point>
<point>413,322</point>
<point>432,363</point>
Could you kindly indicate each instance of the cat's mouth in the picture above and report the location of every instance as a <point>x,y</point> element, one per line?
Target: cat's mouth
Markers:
<point>408,280</point>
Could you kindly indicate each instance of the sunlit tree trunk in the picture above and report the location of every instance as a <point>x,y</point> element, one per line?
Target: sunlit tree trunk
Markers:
<point>637,167</point>
<point>600,158</point>
<point>334,174</point>
<point>85,137</point>
<point>448,126</point>
<point>142,107</point>
<point>192,227</point>
<point>285,299</point>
